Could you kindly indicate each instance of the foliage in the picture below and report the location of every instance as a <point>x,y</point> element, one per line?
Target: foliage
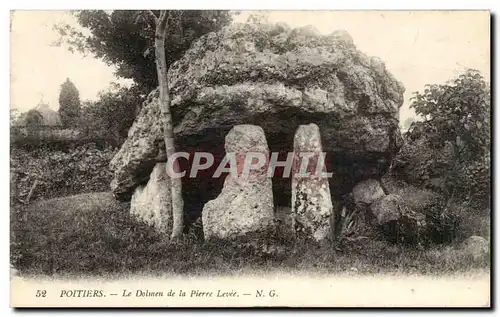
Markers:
<point>258,18</point>
<point>15,130</point>
<point>457,113</point>
<point>449,151</point>
<point>93,235</point>
<point>421,165</point>
<point>15,133</point>
<point>33,122</point>
<point>125,39</point>
<point>58,173</point>
<point>69,104</point>
<point>34,119</point>
<point>112,115</point>
<point>14,115</point>
<point>407,123</point>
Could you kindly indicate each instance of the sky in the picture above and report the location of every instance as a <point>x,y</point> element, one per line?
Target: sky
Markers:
<point>417,47</point>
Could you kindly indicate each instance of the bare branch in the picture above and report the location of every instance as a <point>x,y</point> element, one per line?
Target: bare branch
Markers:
<point>153,15</point>
<point>179,22</point>
<point>164,19</point>
<point>138,15</point>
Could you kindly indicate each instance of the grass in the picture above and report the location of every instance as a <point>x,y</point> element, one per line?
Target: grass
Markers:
<point>92,234</point>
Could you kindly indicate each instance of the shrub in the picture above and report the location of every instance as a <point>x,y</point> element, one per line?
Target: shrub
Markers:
<point>81,169</point>
<point>442,222</point>
<point>449,150</point>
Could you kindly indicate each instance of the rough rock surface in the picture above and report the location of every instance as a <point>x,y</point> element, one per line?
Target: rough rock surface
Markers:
<point>311,199</point>
<point>277,78</point>
<point>399,223</point>
<point>367,192</point>
<point>245,204</point>
<point>478,247</point>
<point>152,202</point>
<point>387,209</point>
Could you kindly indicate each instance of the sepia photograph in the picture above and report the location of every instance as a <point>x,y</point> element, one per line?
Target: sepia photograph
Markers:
<point>237,158</point>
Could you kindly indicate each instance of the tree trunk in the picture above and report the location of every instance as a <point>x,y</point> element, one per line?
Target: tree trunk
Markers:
<point>161,68</point>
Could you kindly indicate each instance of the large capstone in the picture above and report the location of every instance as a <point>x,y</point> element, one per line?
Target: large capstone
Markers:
<point>245,204</point>
<point>311,199</point>
<point>277,78</point>
<point>151,203</point>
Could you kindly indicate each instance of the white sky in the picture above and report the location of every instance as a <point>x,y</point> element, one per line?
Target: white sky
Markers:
<point>418,48</point>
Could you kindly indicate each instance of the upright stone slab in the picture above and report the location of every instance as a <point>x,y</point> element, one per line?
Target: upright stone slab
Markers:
<point>152,203</point>
<point>245,204</point>
<point>311,200</point>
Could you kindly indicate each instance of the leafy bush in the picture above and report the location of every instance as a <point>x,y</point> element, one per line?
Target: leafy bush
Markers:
<point>112,115</point>
<point>448,153</point>
<point>59,173</point>
<point>450,148</point>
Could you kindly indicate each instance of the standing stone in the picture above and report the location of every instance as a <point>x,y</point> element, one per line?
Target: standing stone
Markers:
<point>367,192</point>
<point>152,203</point>
<point>311,200</point>
<point>245,204</point>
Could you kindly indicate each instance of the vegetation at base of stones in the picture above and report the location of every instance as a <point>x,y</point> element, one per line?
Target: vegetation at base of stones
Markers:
<point>93,234</point>
<point>59,173</point>
<point>455,223</point>
<point>69,104</point>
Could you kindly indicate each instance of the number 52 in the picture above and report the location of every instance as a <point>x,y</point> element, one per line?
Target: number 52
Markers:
<point>41,293</point>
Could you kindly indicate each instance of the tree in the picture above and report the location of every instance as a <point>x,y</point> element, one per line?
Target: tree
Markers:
<point>110,117</point>
<point>69,104</point>
<point>128,43</point>
<point>457,118</point>
<point>163,23</point>
<point>15,131</point>
<point>14,115</point>
<point>260,17</point>
<point>33,122</point>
